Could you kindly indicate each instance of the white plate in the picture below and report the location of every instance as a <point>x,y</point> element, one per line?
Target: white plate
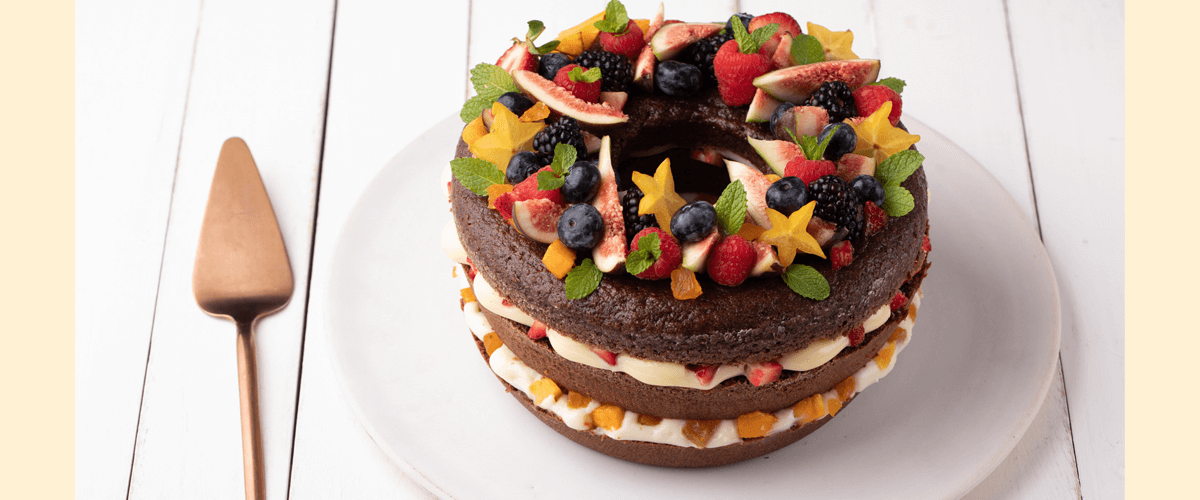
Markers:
<point>962,394</point>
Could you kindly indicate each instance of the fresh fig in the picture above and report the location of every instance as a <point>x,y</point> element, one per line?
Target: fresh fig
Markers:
<point>614,99</point>
<point>776,153</point>
<point>656,22</point>
<point>671,39</point>
<point>609,254</point>
<point>768,260</point>
<point>762,107</point>
<point>796,83</point>
<point>695,254</point>
<point>810,120</point>
<point>564,102</point>
<point>537,219</point>
<point>643,69</point>
<point>852,165</point>
<point>756,185</point>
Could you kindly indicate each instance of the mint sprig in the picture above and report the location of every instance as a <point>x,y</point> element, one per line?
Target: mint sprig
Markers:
<point>564,156</point>
<point>490,82</point>
<point>892,83</point>
<point>806,281</point>
<point>577,74</point>
<point>731,208</point>
<point>649,249</point>
<point>812,149</point>
<point>749,43</point>
<point>582,280</point>
<point>897,201</point>
<point>806,49</point>
<point>535,29</point>
<point>476,174</point>
<point>615,21</point>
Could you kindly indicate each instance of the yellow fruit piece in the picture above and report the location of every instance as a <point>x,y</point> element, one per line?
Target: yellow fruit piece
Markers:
<point>648,420</point>
<point>772,178</point>
<point>474,130</point>
<point>608,416</point>
<point>660,197</point>
<point>898,335</point>
<point>508,135</point>
<point>755,424</point>
<point>836,43</point>
<point>750,231</point>
<point>845,389</point>
<point>494,191</point>
<point>834,406</point>
<point>884,358</point>
<point>790,233</point>
<point>810,409</point>
<point>912,313</point>
<point>878,139</point>
<point>576,39</point>
<point>543,388</point>
<point>536,112</point>
<point>491,342</point>
<point>468,295</point>
<point>699,431</point>
<point>684,285</point>
<point>577,400</point>
<point>642,24</point>
<point>559,259</point>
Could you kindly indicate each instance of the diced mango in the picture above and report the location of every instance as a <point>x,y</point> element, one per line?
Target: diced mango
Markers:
<point>468,295</point>
<point>543,388</point>
<point>810,409</point>
<point>608,416</point>
<point>474,130</point>
<point>491,342</point>
<point>845,389</point>
<point>884,358</point>
<point>576,400</point>
<point>684,285</point>
<point>578,38</point>
<point>649,420</point>
<point>898,334</point>
<point>834,406</point>
<point>755,424</point>
<point>699,431</point>
<point>559,259</point>
<point>494,191</point>
<point>750,231</point>
<point>642,24</point>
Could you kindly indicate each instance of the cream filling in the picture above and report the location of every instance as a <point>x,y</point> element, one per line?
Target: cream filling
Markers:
<point>669,431</point>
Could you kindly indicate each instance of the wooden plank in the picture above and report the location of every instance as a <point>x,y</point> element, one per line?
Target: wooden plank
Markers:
<point>260,73</point>
<point>1078,172</point>
<point>133,61</point>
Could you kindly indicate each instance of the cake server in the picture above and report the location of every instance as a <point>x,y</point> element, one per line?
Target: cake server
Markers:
<point>242,273</point>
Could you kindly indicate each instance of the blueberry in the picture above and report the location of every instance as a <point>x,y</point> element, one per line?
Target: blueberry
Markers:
<point>787,195</point>
<point>676,78</point>
<point>515,102</point>
<point>580,227</point>
<point>550,63</point>
<point>745,21</point>
<point>779,111</point>
<point>868,189</point>
<point>522,165</point>
<point>582,182</point>
<point>693,221</point>
<point>843,140</point>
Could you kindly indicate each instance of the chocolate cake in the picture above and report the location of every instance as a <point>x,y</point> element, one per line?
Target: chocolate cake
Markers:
<point>681,275</point>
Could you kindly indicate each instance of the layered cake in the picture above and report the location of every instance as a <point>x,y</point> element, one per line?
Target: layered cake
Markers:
<point>687,244</point>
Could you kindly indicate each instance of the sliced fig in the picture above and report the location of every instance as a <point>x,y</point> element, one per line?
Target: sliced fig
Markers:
<point>756,185</point>
<point>609,254</point>
<point>826,233</point>
<point>673,38</point>
<point>537,219</point>
<point>709,155</point>
<point>590,141</point>
<point>851,165</point>
<point>564,102</point>
<point>656,22</point>
<point>761,107</point>
<point>809,120</point>
<point>695,254</point>
<point>768,260</point>
<point>614,99</point>
<point>796,83</point>
<point>643,69</point>
<point>776,153</point>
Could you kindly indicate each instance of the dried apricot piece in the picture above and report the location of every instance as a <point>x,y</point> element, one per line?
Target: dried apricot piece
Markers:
<point>884,358</point>
<point>649,420</point>
<point>468,295</point>
<point>810,409</point>
<point>538,111</point>
<point>845,389</point>
<point>608,416</point>
<point>543,388</point>
<point>491,342</point>
<point>699,431</point>
<point>755,424</point>
<point>559,259</point>
<point>684,285</point>
<point>576,400</point>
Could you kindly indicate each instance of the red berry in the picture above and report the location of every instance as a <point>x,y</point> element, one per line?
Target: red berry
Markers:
<point>668,259</point>
<point>731,261</point>
<point>899,301</point>
<point>528,190</point>
<point>518,57</point>
<point>787,25</point>
<point>504,204</point>
<point>628,44</point>
<point>763,373</point>
<point>704,373</point>
<point>736,72</point>
<point>587,91</point>
<point>868,99</point>
<point>537,331</point>
<point>608,356</point>
<point>809,170</point>
<point>856,335</point>
<point>925,244</point>
<point>876,217</point>
<point>842,254</point>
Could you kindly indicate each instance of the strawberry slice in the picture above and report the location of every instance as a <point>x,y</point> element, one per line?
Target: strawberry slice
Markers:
<point>856,335</point>
<point>704,373</point>
<point>517,57</point>
<point>763,373</point>
<point>608,356</point>
<point>537,331</point>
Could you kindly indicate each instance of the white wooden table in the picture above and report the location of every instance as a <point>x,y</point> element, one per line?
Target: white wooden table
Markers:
<point>326,91</point>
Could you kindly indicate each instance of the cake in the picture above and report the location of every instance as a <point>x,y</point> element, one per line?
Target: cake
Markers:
<point>687,244</point>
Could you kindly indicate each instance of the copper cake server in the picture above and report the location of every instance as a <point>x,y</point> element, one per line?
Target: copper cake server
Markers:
<point>242,273</point>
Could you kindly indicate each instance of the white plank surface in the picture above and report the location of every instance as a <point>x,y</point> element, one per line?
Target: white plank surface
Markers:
<point>260,73</point>
<point>131,89</point>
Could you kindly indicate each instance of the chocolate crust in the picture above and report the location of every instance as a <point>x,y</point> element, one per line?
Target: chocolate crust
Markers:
<point>756,321</point>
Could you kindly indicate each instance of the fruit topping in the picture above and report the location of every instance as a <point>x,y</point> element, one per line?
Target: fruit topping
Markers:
<point>884,357</point>
<point>491,342</point>
<point>684,285</point>
<point>841,138</point>
<point>672,39</point>
<point>755,185</point>
<point>537,219</point>
<point>576,400</point>
<point>615,100</point>
<point>845,389</point>
<point>564,131</point>
<point>809,120</point>
<point>789,234</point>
<point>786,23</point>
<point>467,294</point>
<point>582,84</point>
<point>878,139</point>
<point>836,98</point>
<point>659,197</point>
<point>782,56</point>
<point>823,231</point>
<point>549,64</point>
<point>868,189</point>
<point>693,221</point>
<point>635,223</point>
<point>629,43</point>
<point>495,191</point>
<point>797,83</point>
<point>898,301</point>
<point>506,136</point>
<point>763,373</point>
<point>768,260</point>
<point>474,130</point>
<point>648,420</point>
<point>608,416</point>
<point>695,254</point>
<point>699,431</point>
<point>780,112</point>
<point>643,69</point>
<point>853,165</point>
<point>608,356</point>
<point>925,245</point>
<point>616,72</point>
<point>762,108</point>
<point>755,424</point>
<point>738,63</point>
<point>581,183</point>
<point>702,53</point>
<point>787,195</point>
<point>580,227</point>
<point>703,373</point>
<point>529,189</point>
<point>537,331</point>
<point>777,154</point>
<point>838,203</point>
<point>575,39</point>
<point>836,43</point>
<point>653,255</point>
<point>522,165</point>
<point>833,405</point>
<point>676,78</point>
<point>731,261</point>
<point>610,253</point>
<point>515,102</point>
<point>543,388</point>
<point>517,57</point>
<point>871,97</point>
<point>841,255</point>
<point>559,260</point>
<point>856,335</point>
<point>809,409</point>
<point>876,218</point>
<point>562,101</point>
<point>809,170</point>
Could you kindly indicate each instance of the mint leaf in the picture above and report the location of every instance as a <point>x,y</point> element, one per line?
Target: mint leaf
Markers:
<point>564,156</point>
<point>891,83</point>
<point>748,43</point>
<point>731,208</point>
<point>761,35</point>
<point>475,106</point>
<point>897,201</point>
<point>547,181</point>
<point>806,49</point>
<point>615,19</point>
<point>535,29</point>
<point>583,279</point>
<point>487,78</point>
<point>812,149</point>
<point>649,249</point>
<point>577,74</point>
<point>806,281</point>
<point>897,167</point>
<point>476,174</point>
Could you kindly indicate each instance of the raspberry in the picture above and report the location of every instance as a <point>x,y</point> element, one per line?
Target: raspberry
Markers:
<point>856,335</point>
<point>842,254</point>
<point>628,44</point>
<point>809,170</point>
<point>668,259</point>
<point>838,203</point>
<point>615,71</point>
<point>876,217</point>
<point>583,89</point>
<point>736,73</point>
<point>899,301</point>
<point>868,99</point>
<point>731,261</point>
<point>566,131</point>
<point>836,98</point>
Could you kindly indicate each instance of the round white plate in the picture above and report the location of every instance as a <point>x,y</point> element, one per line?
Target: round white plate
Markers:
<point>962,394</point>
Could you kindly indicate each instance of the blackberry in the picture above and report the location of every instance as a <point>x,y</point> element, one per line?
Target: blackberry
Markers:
<point>838,203</point>
<point>566,131</point>
<point>836,98</point>
<point>701,55</point>
<point>615,70</point>
<point>635,223</point>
